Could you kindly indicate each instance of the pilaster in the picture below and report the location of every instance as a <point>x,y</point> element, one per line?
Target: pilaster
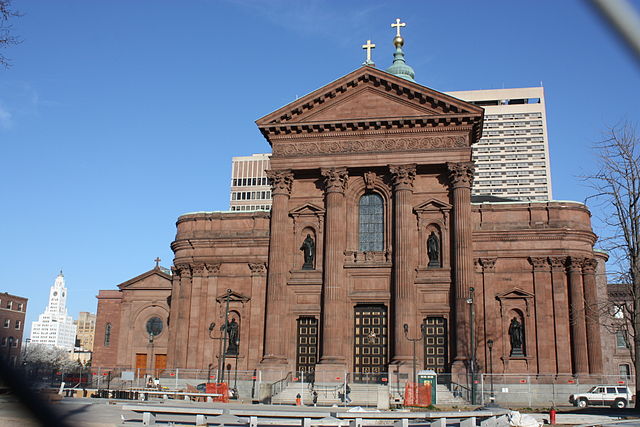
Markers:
<point>578,323</point>
<point>561,315</point>
<point>545,347</point>
<point>592,316</point>
<point>491,329</point>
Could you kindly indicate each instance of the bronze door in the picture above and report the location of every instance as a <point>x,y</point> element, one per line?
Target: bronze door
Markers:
<point>307,346</point>
<point>436,352</point>
<point>370,343</point>
<point>141,364</point>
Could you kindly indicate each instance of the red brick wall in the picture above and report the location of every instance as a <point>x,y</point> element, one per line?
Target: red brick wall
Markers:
<point>108,313</point>
<point>13,315</point>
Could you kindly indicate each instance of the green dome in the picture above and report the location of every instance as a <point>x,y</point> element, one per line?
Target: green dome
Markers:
<point>399,67</point>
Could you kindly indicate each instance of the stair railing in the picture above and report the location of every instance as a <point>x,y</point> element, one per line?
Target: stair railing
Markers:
<point>278,386</point>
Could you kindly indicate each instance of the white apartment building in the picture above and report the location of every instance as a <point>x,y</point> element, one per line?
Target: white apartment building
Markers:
<point>512,158</point>
<point>54,327</point>
<point>250,190</point>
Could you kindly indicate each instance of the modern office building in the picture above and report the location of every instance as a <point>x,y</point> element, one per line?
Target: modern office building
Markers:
<point>512,157</point>
<point>54,327</point>
<point>12,312</point>
<point>85,330</point>
<point>250,190</point>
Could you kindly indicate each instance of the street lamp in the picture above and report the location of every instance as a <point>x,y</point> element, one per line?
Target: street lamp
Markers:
<point>472,362</point>
<point>493,396</point>
<point>405,327</point>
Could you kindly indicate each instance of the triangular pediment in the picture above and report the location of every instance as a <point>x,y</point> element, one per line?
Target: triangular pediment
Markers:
<point>307,209</point>
<point>152,279</point>
<point>515,293</point>
<point>432,205</point>
<point>233,297</point>
<point>370,97</point>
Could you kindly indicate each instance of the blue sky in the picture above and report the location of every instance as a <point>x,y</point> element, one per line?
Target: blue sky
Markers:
<point>118,116</point>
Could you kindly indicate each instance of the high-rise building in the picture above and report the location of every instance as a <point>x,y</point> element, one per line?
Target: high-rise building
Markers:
<point>512,157</point>
<point>85,330</point>
<point>250,190</point>
<point>54,327</point>
<point>12,313</point>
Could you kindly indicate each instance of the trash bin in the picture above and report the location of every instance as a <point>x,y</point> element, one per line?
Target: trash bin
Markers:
<point>429,378</point>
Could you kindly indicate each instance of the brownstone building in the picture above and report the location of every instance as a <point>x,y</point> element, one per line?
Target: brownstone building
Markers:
<point>372,228</point>
<point>12,313</point>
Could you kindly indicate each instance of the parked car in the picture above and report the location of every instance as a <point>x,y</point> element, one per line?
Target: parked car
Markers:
<point>615,396</point>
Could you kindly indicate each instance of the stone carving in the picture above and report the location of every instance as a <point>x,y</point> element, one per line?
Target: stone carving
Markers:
<point>335,179</point>
<point>257,269</point>
<point>369,180</point>
<point>198,269</point>
<point>232,337</point>
<point>516,337</point>
<point>461,174</point>
<point>575,263</point>
<point>589,265</point>
<point>281,181</point>
<point>294,149</point>
<point>488,264</point>
<point>558,262</point>
<point>403,176</point>
<point>214,269</point>
<point>539,263</point>
<point>309,249</point>
<point>184,270</point>
<point>433,250</point>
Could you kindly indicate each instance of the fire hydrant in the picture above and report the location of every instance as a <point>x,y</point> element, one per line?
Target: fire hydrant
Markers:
<point>552,416</point>
<point>298,400</point>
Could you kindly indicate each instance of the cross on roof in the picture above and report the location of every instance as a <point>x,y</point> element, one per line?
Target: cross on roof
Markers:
<point>397,25</point>
<point>157,260</point>
<point>368,47</point>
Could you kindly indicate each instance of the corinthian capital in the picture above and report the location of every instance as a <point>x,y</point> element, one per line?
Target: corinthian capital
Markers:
<point>539,263</point>
<point>589,265</point>
<point>184,270</point>
<point>403,176</point>
<point>258,269</point>
<point>488,264</point>
<point>461,174</point>
<point>281,181</point>
<point>335,179</point>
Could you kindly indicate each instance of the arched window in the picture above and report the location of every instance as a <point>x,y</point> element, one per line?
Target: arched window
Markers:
<point>371,223</point>
<point>107,335</point>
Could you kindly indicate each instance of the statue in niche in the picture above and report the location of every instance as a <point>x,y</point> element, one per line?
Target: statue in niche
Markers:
<point>232,337</point>
<point>309,249</point>
<point>516,337</point>
<point>433,250</point>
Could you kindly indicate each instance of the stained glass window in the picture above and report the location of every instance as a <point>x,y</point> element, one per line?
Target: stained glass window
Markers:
<point>371,223</point>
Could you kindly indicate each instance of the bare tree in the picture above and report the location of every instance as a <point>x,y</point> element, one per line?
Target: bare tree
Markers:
<point>6,37</point>
<point>617,190</point>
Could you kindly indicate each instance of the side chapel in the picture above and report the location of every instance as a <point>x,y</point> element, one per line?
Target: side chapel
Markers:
<point>373,237</point>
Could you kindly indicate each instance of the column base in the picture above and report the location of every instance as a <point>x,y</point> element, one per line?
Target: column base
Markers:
<point>331,370</point>
<point>459,372</point>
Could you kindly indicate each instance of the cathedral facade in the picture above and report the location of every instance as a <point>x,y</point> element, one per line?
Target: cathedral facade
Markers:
<point>373,238</point>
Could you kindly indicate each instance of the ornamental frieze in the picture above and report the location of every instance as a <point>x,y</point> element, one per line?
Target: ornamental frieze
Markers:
<point>373,145</point>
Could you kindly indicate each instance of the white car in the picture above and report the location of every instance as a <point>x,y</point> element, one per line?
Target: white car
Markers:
<point>615,396</point>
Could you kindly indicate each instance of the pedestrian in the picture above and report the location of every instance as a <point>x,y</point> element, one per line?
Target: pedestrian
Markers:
<point>347,398</point>
<point>315,398</point>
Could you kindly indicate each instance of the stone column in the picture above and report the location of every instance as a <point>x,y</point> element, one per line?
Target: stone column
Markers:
<point>561,315</point>
<point>592,316</point>
<point>334,292</point>
<point>184,302</point>
<point>404,292</point>
<point>578,324</point>
<point>545,346</point>
<point>274,344</point>
<point>461,177</point>
<point>174,304</point>
<point>194,315</point>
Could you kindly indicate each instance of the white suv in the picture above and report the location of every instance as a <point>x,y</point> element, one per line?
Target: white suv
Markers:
<point>604,395</point>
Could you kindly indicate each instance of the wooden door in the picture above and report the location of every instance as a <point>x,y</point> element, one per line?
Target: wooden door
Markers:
<point>141,364</point>
<point>370,343</point>
<point>161,364</point>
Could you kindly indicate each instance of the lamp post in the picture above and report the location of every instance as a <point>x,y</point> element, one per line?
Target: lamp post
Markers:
<point>472,362</point>
<point>9,350</point>
<point>405,327</point>
<point>152,361</point>
<point>493,397</point>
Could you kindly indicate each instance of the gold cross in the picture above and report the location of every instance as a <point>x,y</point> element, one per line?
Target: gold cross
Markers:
<point>368,47</point>
<point>157,260</point>
<point>398,24</point>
